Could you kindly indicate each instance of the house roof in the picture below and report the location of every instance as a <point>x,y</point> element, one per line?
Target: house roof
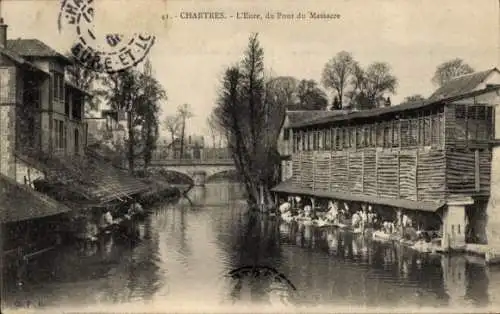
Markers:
<point>298,116</point>
<point>34,48</point>
<point>20,60</point>
<point>94,179</point>
<point>378,112</point>
<point>70,84</point>
<point>19,202</point>
<point>461,84</point>
<point>293,188</point>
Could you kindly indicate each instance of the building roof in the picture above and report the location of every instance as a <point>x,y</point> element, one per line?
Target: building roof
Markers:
<point>378,112</point>
<point>34,48</point>
<point>292,188</point>
<point>19,202</point>
<point>20,60</point>
<point>298,116</point>
<point>461,84</point>
<point>70,84</point>
<point>92,178</point>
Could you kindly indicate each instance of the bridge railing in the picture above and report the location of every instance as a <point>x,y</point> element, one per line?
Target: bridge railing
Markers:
<point>206,155</point>
<point>192,161</point>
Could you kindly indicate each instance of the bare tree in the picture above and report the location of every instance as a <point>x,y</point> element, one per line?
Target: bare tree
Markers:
<point>184,113</point>
<point>310,96</point>
<point>450,69</point>
<point>213,127</point>
<point>369,86</point>
<point>337,73</point>
<point>285,88</point>
<point>173,125</point>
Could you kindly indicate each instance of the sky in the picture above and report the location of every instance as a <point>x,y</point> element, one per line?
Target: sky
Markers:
<point>190,56</point>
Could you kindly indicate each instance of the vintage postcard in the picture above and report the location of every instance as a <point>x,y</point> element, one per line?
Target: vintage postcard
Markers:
<point>217,156</point>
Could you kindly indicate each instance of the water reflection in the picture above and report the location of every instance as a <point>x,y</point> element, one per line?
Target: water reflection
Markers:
<point>186,249</point>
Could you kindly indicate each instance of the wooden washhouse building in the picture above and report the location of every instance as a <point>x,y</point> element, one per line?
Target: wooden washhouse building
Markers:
<point>432,156</point>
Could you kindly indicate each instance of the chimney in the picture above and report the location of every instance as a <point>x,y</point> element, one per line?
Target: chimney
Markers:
<point>3,33</point>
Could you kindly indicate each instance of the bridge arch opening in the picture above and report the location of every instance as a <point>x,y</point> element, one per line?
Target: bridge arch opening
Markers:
<point>224,175</point>
<point>175,177</point>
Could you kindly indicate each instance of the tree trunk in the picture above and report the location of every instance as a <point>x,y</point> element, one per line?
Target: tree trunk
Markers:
<point>131,141</point>
<point>182,137</point>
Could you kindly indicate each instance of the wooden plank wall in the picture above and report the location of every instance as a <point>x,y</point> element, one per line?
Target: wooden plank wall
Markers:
<point>468,172</point>
<point>413,174</point>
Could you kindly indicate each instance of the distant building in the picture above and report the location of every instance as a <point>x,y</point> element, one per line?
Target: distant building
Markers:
<point>108,128</point>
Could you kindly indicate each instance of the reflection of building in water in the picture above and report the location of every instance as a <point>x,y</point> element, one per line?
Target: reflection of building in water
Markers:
<point>477,281</point>
<point>493,274</point>
<point>454,278</point>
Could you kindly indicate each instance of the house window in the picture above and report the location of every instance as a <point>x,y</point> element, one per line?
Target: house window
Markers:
<point>58,86</point>
<point>60,134</point>
<point>67,104</point>
<point>77,141</point>
<point>77,108</point>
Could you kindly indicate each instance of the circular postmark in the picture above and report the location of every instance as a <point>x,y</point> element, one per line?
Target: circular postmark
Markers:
<point>102,53</point>
<point>275,285</point>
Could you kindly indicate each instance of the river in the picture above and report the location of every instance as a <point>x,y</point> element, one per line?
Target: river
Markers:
<point>188,248</point>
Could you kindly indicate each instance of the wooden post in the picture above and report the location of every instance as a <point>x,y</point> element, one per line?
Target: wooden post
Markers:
<point>331,138</point>
<point>418,129</point>
<point>398,175</point>
<point>314,169</point>
<point>276,200</point>
<point>477,178</point>
<point>467,126</point>
<point>363,171</point>
<point>300,169</point>
<point>416,175</point>
<point>400,134</point>
<point>334,139</point>
<point>441,136</point>
<point>431,122</point>
<point>330,171</point>
<point>376,172</point>
<point>349,186</point>
<point>355,137</point>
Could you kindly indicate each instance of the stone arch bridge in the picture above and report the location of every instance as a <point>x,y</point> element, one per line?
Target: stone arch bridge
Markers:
<point>198,170</point>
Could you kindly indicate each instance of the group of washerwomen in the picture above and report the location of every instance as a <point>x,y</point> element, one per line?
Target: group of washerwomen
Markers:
<point>343,217</point>
<point>104,223</point>
<point>366,218</point>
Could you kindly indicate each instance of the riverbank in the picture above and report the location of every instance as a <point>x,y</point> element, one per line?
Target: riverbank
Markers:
<point>329,268</point>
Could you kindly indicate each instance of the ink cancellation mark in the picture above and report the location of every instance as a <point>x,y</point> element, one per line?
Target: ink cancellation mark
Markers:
<point>280,285</point>
<point>110,53</point>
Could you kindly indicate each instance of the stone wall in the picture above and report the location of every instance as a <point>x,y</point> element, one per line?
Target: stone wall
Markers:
<point>7,121</point>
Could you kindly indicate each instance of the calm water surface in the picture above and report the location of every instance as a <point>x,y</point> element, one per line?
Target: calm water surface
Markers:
<point>188,248</point>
